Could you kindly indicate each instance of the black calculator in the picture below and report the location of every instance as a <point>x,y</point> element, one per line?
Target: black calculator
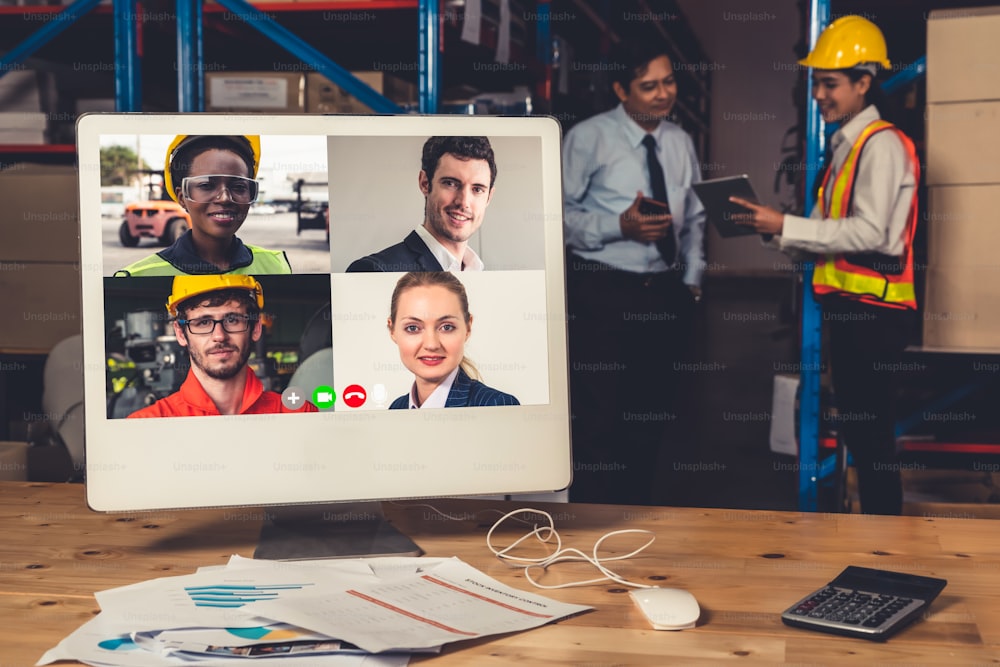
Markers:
<point>866,603</point>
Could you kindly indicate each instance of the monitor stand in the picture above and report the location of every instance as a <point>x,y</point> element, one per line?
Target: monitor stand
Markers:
<point>341,530</point>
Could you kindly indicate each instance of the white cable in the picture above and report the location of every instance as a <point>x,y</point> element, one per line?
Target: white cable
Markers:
<point>545,533</point>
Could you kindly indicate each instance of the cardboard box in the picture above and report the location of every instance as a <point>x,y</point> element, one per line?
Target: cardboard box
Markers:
<point>962,227</point>
<point>963,54</point>
<point>23,127</point>
<point>13,461</point>
<point>42,302</point>
<point>94,104</point>
<point>39,256</point>
<point>19,91</point>
<point>42,213</point>
<point>963,143</point>
<point>963,269</point>
<point>255,92</point>
<point>324,96</point>
<point>960,310</point>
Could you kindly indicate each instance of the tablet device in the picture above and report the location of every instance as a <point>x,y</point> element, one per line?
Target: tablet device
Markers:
<point>714,195</point>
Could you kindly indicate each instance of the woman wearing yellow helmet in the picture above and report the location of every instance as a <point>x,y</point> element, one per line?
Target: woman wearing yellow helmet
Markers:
<point>861,234</point>
<point>213,178</point>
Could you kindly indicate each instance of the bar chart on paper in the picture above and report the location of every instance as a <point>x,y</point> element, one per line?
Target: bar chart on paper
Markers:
<point>230,596</point>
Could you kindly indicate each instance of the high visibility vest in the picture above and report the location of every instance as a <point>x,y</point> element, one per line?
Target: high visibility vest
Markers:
<point>868,277</point>
<point>265,262</point>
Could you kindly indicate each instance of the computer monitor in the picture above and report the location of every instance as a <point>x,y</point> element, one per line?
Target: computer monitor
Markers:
<point>321,196</point>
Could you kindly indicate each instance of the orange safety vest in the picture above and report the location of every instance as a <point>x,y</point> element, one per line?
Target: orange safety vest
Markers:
<point>867,277</point>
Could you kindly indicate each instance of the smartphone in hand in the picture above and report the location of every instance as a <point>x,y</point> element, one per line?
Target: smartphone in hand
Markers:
<point>653,207</point>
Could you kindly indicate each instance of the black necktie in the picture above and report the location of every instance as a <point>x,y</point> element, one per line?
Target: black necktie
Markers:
<point>668,244</point>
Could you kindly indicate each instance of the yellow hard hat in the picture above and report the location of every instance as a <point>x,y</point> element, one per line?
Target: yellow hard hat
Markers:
<point>186,287</point>
<point>847,42</point>
<point>184,139</point>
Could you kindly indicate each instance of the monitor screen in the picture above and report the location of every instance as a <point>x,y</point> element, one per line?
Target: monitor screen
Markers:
<point>317,309</point>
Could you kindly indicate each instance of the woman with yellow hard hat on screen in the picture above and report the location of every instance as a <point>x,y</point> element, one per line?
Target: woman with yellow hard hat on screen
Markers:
<point>213,178</point>
<point>861,232</point>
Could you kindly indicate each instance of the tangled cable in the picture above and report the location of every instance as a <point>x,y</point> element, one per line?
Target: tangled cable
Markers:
<point>545,533</point>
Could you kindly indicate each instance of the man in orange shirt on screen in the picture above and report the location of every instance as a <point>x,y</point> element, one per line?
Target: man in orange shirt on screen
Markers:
<point>217,318</point>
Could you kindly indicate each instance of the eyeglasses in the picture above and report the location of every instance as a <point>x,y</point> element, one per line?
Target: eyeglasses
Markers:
<point>208,188</point>
<point>206,325</point>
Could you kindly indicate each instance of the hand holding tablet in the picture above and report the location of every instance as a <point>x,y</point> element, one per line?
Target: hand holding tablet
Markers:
<point>731,205</point>
<point>762,219</point>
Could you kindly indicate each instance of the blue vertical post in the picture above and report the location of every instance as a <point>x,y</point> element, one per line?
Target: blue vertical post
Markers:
<point>188,53</point>
<point>199,57</point>
<point>127,63</point>
<point>810,355</point>
<point>429,61</point>
<point>543,32</point>
<point>543,45</point>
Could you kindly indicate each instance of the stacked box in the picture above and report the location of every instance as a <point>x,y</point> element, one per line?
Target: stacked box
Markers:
<point>22,120</point>
<point>324,96</point>
<point>255,92</point>
<point>13,461</point>
<point>39,256</point>
<point>963,179</point>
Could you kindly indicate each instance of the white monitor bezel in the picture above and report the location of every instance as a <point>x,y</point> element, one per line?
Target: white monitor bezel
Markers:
<point>136,465</point>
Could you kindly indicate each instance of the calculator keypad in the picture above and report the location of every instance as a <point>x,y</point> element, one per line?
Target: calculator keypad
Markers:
<point>859,611</point>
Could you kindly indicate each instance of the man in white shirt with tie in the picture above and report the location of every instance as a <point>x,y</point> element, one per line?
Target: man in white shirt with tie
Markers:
<point>632,277</point>
<point>456,178</point>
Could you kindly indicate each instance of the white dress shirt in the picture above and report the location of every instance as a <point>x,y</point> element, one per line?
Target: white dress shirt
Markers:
<point>883,193</point>
<point>604,165</point>
<point>470,261</point>
<point>438,397</point>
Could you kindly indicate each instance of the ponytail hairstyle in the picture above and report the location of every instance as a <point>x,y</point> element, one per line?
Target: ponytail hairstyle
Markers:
<point>875,94</point>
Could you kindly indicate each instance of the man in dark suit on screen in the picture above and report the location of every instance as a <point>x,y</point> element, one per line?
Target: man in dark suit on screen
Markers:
<point>456,178</point>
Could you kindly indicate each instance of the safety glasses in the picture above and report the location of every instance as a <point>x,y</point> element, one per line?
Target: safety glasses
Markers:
<point>232,323</point>
<point>209,188</point>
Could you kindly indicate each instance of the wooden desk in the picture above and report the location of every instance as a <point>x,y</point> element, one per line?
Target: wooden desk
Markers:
<point>744,567</point>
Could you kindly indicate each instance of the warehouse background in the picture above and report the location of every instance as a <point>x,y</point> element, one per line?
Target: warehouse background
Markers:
<point>742,99</point>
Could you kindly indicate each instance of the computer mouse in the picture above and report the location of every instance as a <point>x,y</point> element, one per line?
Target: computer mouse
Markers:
<point>667,608</point>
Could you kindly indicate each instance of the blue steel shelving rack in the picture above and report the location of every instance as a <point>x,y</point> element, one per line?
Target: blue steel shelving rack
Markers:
<point>127,84</point>
<point>190,79</point>
<point>190,86</point>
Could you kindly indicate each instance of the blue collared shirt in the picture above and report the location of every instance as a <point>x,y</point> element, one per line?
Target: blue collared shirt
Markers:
<point>604,165</point>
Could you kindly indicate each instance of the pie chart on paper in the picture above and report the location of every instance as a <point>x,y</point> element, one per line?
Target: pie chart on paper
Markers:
<point>117,644</point>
